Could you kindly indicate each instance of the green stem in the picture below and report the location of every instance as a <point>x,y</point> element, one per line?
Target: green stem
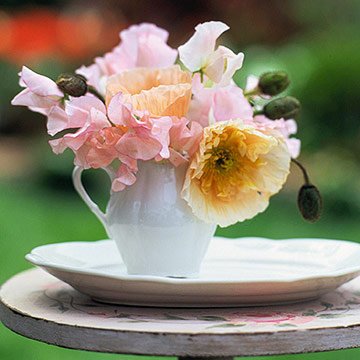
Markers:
<point>93,91</point>
<point>302,168</point>
<point>258,112</point>
<point>200,71</point>
<point>252,92</point>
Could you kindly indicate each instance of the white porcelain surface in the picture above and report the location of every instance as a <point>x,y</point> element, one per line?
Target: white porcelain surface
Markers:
<point>235,272</point>
<point>154,229</point>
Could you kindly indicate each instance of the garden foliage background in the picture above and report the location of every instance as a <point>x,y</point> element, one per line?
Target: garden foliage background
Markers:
<point>317,42</point>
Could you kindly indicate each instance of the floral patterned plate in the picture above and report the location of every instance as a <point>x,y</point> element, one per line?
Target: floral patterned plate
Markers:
<point>235,272</point>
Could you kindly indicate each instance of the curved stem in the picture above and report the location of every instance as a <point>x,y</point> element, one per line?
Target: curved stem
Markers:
<point>258,112</point>
<point>302,168</point>
<point>251,92</point>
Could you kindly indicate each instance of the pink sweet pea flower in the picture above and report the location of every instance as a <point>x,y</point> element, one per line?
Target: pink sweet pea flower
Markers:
<point>218,104</point>
<point>75,114</point>
<point>74,141</point>
<point>146,45</point>
<point>98,150</point>
<point>285,127</point>
<point>198,54</point>
<point>143,140</point>
<point>124,177</point>
<point>41,95</point>
<point>89,115</point>
<point>184,138</point>
<point>141,45</point>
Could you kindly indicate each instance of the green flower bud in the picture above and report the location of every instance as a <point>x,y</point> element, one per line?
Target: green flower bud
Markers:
<point>273,83</point>
<point>286,107</point>
<point>72,84</point>
<point>310,202</point>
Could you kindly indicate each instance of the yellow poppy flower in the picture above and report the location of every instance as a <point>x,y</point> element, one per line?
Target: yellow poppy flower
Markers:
<point>234,172</point>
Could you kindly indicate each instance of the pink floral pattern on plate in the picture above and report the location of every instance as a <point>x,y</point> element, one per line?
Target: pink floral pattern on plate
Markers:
<point>338,308</point>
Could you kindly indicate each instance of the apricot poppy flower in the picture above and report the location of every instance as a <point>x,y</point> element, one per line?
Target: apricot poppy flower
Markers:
<point>162,92</point>
<point>234,172</point>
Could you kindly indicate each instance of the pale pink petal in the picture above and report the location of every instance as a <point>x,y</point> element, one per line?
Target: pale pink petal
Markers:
<point>76,140</point>
<point>80,157</point>
<point>142,45</point>
<point>200,106</point>
<point>134,31</point>
<point>43,111</point>
<point>224,103</point>
<point>102,146</point>
<point>179,133</point>
<point>230,104</point>
<point>114,62</point>
<point>97,159</point>
<point>146,44</point>
<point>291,126</point>
<point>98,119</point>
<point>195,51</point>
<point>57,120</point>
<point>176,158</point>
<point>139,146</point>
<point>35,102</point>
<point>215,69</point>
<point>154,53</point>
<point>294,146</point>
<point>124,177</point>
<point>233,63</point>
<point>128,161</point>
<point>285,128</point>
<point>78,110</point>
<point>120,113</point>
<point>39,84</point>
<point>58,145</point>
<point>160,130</point>
<point>251,82</point>
<point>183,138</point>
<point>192,145</point>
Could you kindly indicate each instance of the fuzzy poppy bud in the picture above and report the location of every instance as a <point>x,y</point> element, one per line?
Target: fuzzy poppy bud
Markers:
<point>72,84</point>
<point>286,107</point>
<point>310,202</point>
<point>273,83</point>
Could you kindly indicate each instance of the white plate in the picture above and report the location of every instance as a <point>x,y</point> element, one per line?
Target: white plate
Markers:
<point>235,272</point>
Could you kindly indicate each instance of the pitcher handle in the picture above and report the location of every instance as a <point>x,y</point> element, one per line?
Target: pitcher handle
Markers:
<point>76,176</point>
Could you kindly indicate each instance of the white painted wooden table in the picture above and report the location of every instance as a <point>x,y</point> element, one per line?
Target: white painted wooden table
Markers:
<point>37,305</point>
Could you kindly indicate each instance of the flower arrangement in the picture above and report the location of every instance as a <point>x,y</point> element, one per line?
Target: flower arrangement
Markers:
<point>137,104</point>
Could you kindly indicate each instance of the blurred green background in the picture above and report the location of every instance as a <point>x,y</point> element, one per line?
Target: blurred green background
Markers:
<point>317,42</point>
